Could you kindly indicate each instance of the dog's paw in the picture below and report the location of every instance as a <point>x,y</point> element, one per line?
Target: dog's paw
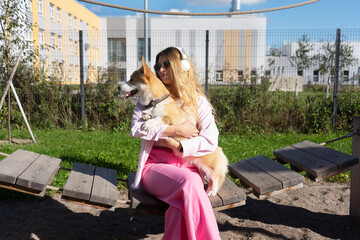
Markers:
<point>146,117</point>
<point>148,125</point>
<point>212,193</point>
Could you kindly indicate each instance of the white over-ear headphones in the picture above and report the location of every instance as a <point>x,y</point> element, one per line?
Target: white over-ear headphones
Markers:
<point>184,62</point>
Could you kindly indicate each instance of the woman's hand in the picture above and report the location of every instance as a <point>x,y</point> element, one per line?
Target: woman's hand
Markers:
<point>186,130</point>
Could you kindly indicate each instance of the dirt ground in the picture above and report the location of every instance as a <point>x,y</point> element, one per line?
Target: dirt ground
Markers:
<point>316,211</point>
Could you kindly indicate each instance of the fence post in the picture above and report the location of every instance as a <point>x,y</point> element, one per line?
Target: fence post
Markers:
<point>355,174</point>
<point>337,58</point>
<point>206,62</point>
<point>82,91</point>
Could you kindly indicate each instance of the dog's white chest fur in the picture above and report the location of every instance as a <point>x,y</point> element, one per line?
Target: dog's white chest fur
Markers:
<point>153,116</point>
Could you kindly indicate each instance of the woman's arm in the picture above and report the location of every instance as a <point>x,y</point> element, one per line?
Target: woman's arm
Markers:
<point>185,130</point>
<point>207,140</point>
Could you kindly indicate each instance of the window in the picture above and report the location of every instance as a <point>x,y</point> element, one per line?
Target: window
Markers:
<point>61,71</point>
<point>116,49</point>
<point>41,38</point>
<point>52,12</point>
<point>71,73</point>
<point>69,19</point>
<point>75,23</point>
<point>76,47</point>
<point>28,5</point>
<point>316,76</point>
<point>70,46</point>
<point>346,75</point>
<point>52,40</point>
<point>141,48</point>
<point>300,73</point>
<point>58,15</point>
<point>240,75</point>
<point>59,43</point>
<point>219,76</point>
<point>29,35</point>
<point>40,7</point>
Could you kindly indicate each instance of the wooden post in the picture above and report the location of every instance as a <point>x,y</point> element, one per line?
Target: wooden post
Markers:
<point>355,175</point>
<point>9,116</point>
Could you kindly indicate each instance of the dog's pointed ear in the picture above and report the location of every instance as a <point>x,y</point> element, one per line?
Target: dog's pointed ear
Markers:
<point>145,66</point>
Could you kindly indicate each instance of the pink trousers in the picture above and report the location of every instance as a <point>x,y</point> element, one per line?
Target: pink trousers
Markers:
<point>190,215</point>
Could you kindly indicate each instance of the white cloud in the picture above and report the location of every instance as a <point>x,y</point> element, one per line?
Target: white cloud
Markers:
<point>222,2</point>
<point>96,9</point>
<point>177,10</point>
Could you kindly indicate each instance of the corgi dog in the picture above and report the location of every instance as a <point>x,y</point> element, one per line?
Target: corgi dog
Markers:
<point>161,109</point>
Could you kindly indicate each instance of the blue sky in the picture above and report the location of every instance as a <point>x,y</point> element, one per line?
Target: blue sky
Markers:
<point>326,14</point>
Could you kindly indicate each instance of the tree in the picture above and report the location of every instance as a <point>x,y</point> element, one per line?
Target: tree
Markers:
<point>326,60</point>
<point>302,59</point>
<point>14,26</point>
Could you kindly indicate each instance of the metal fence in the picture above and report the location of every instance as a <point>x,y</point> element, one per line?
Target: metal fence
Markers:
<point>232,56</point>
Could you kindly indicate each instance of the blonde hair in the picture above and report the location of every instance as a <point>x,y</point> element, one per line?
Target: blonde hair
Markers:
<point>187,85</point>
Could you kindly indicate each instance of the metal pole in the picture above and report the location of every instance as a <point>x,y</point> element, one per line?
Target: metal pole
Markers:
<point>82,92</point>
<point>337,58</point>
<point>10,79</point>
<point>9,116</point>
<point>145,34</point>
<point>22,112</point>
<point>207,62</point>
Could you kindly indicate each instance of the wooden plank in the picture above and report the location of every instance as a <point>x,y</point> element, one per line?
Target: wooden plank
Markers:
<point>286,176</point>
<point>40,173</point>
<point>12,166</point>
<point>254,177</point>
<point>342,160</point>
<point>79,183</point>
<point>229,196</point>
<point>314,165</point>
<point>267,195</point>
<point>104,188</point>
<point>230,193</point>
<point>355,176</point>
<point>142,202</point>
<point>22,189</point>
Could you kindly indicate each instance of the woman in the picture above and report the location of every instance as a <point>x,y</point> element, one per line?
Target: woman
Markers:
<point>167,177</point>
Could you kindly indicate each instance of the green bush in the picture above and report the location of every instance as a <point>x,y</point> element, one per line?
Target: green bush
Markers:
<point>48,104</point>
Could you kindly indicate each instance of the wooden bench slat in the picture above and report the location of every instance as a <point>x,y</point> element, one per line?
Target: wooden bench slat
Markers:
<point>230,193</point>
<point>314,165</point>
<point>286,176</point>
<point>342,160</point>
<point>79,183</point>
<point>141,202</point>
<point>12,166</point>
<point>40,173</point>
<point>104,190</point>
<point>254,177</point>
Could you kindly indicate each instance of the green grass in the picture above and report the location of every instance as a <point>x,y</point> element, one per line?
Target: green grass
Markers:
<point>119,151</point>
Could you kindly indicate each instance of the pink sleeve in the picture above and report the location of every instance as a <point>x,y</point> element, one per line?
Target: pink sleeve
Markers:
<point>207,141</point>
<point>153,134</point>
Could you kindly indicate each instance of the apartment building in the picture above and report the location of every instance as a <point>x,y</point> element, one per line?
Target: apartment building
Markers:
<point>236,44</point>
<point>281,65</point>
<point>55,32</point>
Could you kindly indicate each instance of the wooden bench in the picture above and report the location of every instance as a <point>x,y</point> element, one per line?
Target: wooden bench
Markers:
<point>91,185</point>
<point>265,176</point>
<point>229,196</point>
<point>318,161</point>
<point>28,172</point>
